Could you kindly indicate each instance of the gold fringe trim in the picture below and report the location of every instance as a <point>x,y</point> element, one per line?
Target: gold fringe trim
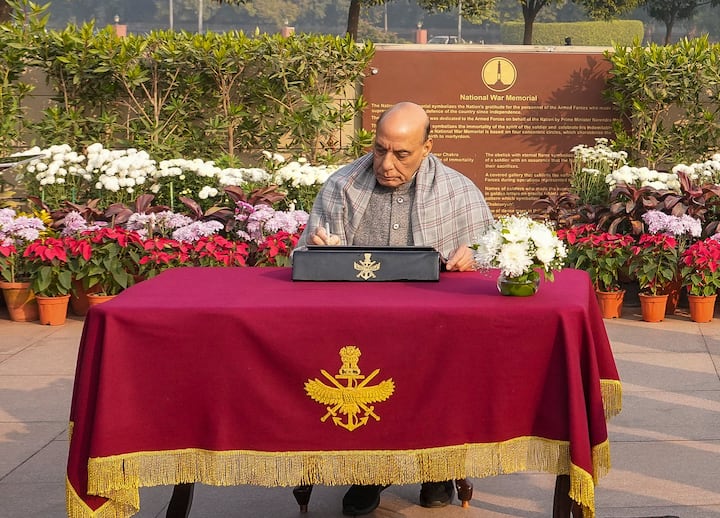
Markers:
<point>119,477</point>
<point>77,508</point>
<point>612,397</point>
<point>601,460</point>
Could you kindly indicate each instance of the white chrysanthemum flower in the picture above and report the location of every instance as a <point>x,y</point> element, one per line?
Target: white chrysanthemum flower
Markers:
<point>546,254</point>
<point>542,236</point>
<point>513,258</point>
<point>487,247</point>
<point>516,229</point>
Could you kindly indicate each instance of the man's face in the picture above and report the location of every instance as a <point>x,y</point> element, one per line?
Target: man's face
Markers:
<point>398,154</point>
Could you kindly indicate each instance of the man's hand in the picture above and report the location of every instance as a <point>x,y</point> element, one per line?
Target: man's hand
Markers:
<point>461,260</point>
<point>323,237</point>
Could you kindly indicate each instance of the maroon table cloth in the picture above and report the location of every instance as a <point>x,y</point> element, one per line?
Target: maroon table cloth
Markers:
<point>230,376</point>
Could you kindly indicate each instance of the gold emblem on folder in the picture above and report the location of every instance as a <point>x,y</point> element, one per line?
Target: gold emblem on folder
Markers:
<point>349,393</point>
<point>367,267</point>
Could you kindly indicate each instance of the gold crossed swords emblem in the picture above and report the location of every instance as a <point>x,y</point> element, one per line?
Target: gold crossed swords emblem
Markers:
<point>367,267</point>
<point>349,393</point>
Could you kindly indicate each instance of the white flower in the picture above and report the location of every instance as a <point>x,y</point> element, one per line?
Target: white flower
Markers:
<point>518,245</point>
<point>514,258</point>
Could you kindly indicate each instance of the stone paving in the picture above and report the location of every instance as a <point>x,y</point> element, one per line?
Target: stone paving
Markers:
<point>665,443</point>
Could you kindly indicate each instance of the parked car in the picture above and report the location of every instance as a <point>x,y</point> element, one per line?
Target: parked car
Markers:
<point>444,40</point>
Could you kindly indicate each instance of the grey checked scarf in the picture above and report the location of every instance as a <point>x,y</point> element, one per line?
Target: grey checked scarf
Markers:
<point>449,210</point>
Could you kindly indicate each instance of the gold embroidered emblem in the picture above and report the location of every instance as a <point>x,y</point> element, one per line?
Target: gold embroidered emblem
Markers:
<point>367,267</point>
<point>354,397</point>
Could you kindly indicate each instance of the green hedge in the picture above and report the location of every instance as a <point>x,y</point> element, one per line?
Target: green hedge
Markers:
<point>596,34</point>
<point>183,94</point>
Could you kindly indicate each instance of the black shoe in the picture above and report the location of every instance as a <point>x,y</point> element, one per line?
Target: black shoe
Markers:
<point>436,494</point>
<point>360,500</point>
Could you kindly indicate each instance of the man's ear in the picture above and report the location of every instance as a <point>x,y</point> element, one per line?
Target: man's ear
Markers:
<point>427,146</point>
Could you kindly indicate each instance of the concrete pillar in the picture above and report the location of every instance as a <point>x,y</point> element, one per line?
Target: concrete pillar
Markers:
<point>287,31</point>
<point>421,36</point>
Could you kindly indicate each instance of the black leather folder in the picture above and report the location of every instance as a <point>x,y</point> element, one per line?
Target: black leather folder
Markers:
<point>366,264</point>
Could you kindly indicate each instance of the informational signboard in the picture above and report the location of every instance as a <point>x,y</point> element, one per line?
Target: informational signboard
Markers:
<point>507,117</point>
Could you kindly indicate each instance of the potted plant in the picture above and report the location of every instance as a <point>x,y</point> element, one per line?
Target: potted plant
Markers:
<point>700,269</point>
<point>47,260</point>
<point>685,229</point>
<point>216,250</point>
<point>276,249</point>
<point>521,248</point>
<point>105,260</point>
<point>654,263</point>
<point>604,256</point>
<point>16,231</point>
<point>157,254</point>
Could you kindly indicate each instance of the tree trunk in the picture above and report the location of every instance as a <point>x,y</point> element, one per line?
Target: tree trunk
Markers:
<point>353,18</point>
<point>5,11</point>
<point>668,30</point>
<point>527,33</point>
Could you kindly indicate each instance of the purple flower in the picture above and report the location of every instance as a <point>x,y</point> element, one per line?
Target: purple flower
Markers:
<point>19,229</point>
<point>156,222</point>
<point>75,224</point>
<point>659,222</point>
<point>194,231</point>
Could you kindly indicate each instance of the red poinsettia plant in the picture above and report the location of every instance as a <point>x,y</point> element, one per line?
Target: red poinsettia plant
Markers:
<point>47,262</point>
<point>216,250</point>
<point>276,249</point>
<point>157,254</point>
<point>603,255</point>
<point>700,267</point>
<point>654,262</point>
<point>105,259</point>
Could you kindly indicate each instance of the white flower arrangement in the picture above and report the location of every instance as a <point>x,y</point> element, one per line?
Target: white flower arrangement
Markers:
<point>120,175</point>
<point>299,172</point>
<point>519,246</point>
<point>643,176</point>
<point>590,168</point>
<point>707,172</point>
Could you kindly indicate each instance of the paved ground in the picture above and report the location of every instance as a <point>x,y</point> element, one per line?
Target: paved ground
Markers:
<point>665,444</point>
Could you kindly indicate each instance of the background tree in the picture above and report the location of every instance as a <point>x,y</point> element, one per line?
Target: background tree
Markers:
<point>597,9</point>
<point>282,12</point>
<point>670,11</point>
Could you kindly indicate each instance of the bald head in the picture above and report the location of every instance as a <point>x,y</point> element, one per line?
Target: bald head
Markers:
<point>402,142</point>
<point>405,116</point>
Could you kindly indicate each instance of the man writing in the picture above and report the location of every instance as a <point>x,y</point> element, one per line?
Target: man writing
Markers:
<point>400,194</point>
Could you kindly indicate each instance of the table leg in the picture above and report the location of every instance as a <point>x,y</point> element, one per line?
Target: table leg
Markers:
<point>464,490</point>
<point>302,496</point>
<point>563,505</point>
<point>180,501</point>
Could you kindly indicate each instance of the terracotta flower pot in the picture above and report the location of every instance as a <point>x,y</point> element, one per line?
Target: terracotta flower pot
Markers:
<point>702,308</point>
<point>653,307</point>
<point>673,292</point>
<point>95,299</point>
<point>20,301</point>
<point>79,303</point>
<point>610,302</point>
<point>53,310</point>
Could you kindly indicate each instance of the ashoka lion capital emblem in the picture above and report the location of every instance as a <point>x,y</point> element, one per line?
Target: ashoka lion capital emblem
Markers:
<point>349,393</point>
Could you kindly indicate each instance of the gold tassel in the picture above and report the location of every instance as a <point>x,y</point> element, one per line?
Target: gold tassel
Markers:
<point>582,490</point>
<point>612,397</point>
<point>77,508</point>
<point>601,460</point>
<point>119,477</point>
